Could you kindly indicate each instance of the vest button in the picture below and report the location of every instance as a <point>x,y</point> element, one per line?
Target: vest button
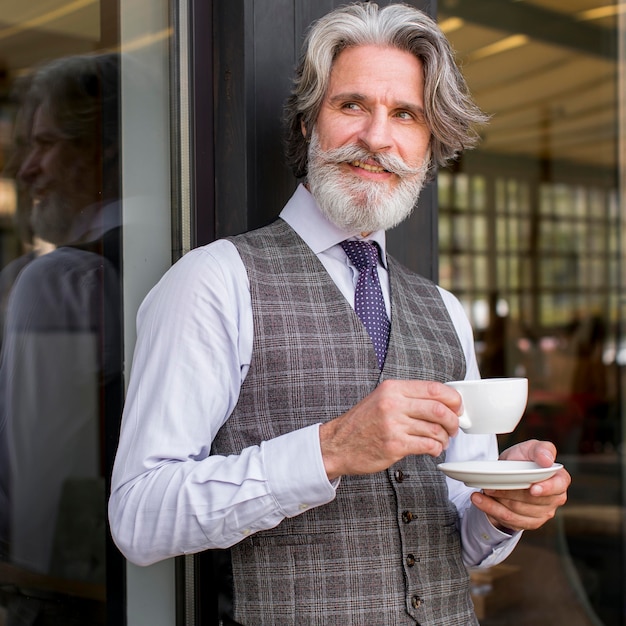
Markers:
<point>399,476</point>
<point>416,602</point>
<point>407,516</point>
<point>410,560</point>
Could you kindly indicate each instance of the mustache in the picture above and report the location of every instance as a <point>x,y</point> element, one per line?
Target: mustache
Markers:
<point>351,153</point>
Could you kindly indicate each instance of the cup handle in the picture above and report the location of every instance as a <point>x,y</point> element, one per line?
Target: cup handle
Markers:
<point>464,421</point>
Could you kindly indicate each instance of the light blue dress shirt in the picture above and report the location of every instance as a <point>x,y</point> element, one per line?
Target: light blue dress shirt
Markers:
<point>194,345</point>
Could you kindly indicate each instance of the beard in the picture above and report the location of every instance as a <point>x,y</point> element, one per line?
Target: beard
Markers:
<point>52,219</point>
<point>357,205</point>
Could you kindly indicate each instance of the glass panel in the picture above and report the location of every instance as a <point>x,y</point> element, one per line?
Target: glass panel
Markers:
<point>501,233</point>
<point>62,105</point>
<point>480,273</point>
<point>480,232</point>
<point>463,239</point>
<point>462,191</point>
<point>445,234</point>
<point>444,189</point>
<point>445,271</point>
<point>479,189</point>
<point>549,162</point>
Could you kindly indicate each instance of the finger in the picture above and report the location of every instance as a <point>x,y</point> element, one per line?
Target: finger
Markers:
<point>541,452</point>
<point>431,390</point>
<point>448,396</point>
<point>428,445</point>
<point>520,500</point>
<point>430,417</point>
<point>525,504</point>
<point>558,484</point>
<point>426,401</point>
<point>419,435</point>
<point>513,514</point>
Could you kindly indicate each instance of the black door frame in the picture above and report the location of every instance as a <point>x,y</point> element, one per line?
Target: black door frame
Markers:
<point>241,63</point>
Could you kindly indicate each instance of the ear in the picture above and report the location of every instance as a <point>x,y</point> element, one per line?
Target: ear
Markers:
<point>303,129</point>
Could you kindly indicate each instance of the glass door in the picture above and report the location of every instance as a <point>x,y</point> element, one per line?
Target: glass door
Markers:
<point>85,221</point>
<point>61,378</point>
<point>531,236</point>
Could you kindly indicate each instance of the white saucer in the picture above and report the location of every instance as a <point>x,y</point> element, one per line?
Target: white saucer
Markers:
<point>498,474</point>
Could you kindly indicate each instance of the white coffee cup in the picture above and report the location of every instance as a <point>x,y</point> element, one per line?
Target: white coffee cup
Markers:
<point>491,405</point>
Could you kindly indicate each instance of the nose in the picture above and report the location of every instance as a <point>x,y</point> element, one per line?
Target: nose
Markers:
<point>14,162</point>
<point>375,134</point>
<point>29,167</point>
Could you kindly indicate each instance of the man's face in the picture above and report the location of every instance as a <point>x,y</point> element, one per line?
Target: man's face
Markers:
<point>62,176</point>
<point>370,145</point>
<point>20,147</point>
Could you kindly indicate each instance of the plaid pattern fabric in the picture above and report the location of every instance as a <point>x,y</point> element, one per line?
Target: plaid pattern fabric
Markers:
<point>386,551</point>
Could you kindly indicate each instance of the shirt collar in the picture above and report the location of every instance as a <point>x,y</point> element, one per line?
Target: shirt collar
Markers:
<point>303,214</point>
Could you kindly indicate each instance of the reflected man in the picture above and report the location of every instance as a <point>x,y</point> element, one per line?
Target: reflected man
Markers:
<point>60,377</point>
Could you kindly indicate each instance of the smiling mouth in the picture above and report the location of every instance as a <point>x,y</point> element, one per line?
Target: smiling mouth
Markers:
<point>37,191</point>
<point>369,168</point>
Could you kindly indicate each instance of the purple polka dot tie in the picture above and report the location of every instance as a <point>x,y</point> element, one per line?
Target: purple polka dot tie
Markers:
<point>368,298</point>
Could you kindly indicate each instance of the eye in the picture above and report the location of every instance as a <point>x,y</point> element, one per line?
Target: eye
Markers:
<point>45,142</point>
<point>351,106</point>
<point>410,115</point>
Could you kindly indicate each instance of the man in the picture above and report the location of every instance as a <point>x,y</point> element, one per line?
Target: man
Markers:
<point>60,376</point>
<point>261,415</point>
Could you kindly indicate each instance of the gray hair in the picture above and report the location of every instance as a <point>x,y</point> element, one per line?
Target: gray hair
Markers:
<point>82,94</point>
<point>449,110</point>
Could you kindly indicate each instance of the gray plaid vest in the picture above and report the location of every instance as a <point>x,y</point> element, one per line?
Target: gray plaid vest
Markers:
<point>386,551</point>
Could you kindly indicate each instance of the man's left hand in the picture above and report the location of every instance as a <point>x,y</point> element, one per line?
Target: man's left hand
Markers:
<point>526,509</point>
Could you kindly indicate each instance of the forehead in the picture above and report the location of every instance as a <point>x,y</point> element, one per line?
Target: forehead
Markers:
<point>378,72</point>
<point>44,121</point>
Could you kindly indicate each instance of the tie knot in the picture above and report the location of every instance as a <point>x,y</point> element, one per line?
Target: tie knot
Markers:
<point>362,253</point>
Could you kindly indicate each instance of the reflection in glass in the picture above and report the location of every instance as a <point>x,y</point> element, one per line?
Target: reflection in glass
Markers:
<point>61,362</point>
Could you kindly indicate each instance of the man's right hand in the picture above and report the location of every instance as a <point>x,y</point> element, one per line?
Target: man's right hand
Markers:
<point>400,417</point>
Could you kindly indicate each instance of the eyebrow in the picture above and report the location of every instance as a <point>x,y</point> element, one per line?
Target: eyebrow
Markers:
<point>48,135</point>
<point>359,97</point>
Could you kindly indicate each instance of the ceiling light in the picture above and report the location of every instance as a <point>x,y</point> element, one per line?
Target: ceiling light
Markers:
<point>598,13</point>
<point>451,24</point>
<point>46,18</point>
<point>508,43</point>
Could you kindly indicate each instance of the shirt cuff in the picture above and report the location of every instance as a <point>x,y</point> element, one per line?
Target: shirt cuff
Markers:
<point>295,471</point>
<point>483,544</point>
